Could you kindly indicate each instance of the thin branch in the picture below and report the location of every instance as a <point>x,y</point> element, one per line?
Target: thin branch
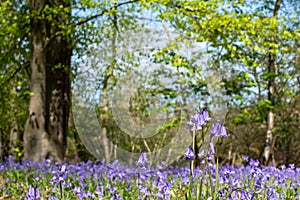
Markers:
<point>13,75</point>
<point>166,30</point>
<point>183,7</point>
<point>13,45</point>
<point>143,18</point>
<point>276,8</point>
<point>105,11</point>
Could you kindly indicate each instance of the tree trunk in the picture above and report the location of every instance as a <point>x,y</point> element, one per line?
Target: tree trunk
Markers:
<point>14,139</point>
<point>72,154</point>
<point>269,151</point>
<point>104,116</point>
<point>46,127</point>
<point>1,147</point>
<point>104,130</point>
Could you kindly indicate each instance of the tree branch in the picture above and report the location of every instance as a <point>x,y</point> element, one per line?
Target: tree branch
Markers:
<point>13,75</point>
<point>143,18</point>
<point>13,45</point>
<point>105,11</point>
<point>276,8</point>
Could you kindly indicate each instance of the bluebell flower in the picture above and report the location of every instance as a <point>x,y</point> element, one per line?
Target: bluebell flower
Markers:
<point>218,130</point>
<point>129,186</point>
<point>117,197</point>
<point>212,149</point>
<point>78,192</point>
<point>245,195</point>
<point>60,175</point>
<point>186,180</point>
<point>33,193</point>
<point>201,154</point>
<point>222,192</point>
<point>258,184</point>
<point>144,190</point>
<point>142,159</point>
<point>271,193</point>
<point>206,115</point>
<point>291,166</point>
<point>112,189</point>
<point>100,191</point>
<point>197,121</point>
<point>245,158</point>
<point>88,195</point>
<point>192,124</point>
<point>201,121</point>
<point>165,189</point>
<point>189,154</point>
<point>254,162</point>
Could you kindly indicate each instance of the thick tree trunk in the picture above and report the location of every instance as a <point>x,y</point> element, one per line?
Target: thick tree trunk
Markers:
<point>46,127</point>
<point>269,146</point>
<point>35,135</point>
<point>58,90</point>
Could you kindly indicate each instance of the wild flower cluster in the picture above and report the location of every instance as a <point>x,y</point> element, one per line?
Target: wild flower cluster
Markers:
<point>88,180</point>
<point>198,121</point>
<point>95,180</point>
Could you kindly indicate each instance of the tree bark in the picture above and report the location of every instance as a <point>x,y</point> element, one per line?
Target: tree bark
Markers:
<point>46,127</point>
<point>269,147</point>
<point>14,137</point>
<point>1,147</point>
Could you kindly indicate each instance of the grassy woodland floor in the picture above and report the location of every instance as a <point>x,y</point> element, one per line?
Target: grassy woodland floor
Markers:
<point>87,180</point>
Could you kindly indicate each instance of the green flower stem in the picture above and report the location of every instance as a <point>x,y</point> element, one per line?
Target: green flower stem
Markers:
<point>192,162</point>
<point>210,180</point>
<point>217,178</point>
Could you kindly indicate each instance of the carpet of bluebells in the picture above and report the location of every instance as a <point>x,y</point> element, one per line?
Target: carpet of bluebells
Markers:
<point>88,180</point>
<point>95,180</point>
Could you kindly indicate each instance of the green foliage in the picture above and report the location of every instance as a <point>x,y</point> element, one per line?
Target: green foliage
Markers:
<point>14,87</point>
